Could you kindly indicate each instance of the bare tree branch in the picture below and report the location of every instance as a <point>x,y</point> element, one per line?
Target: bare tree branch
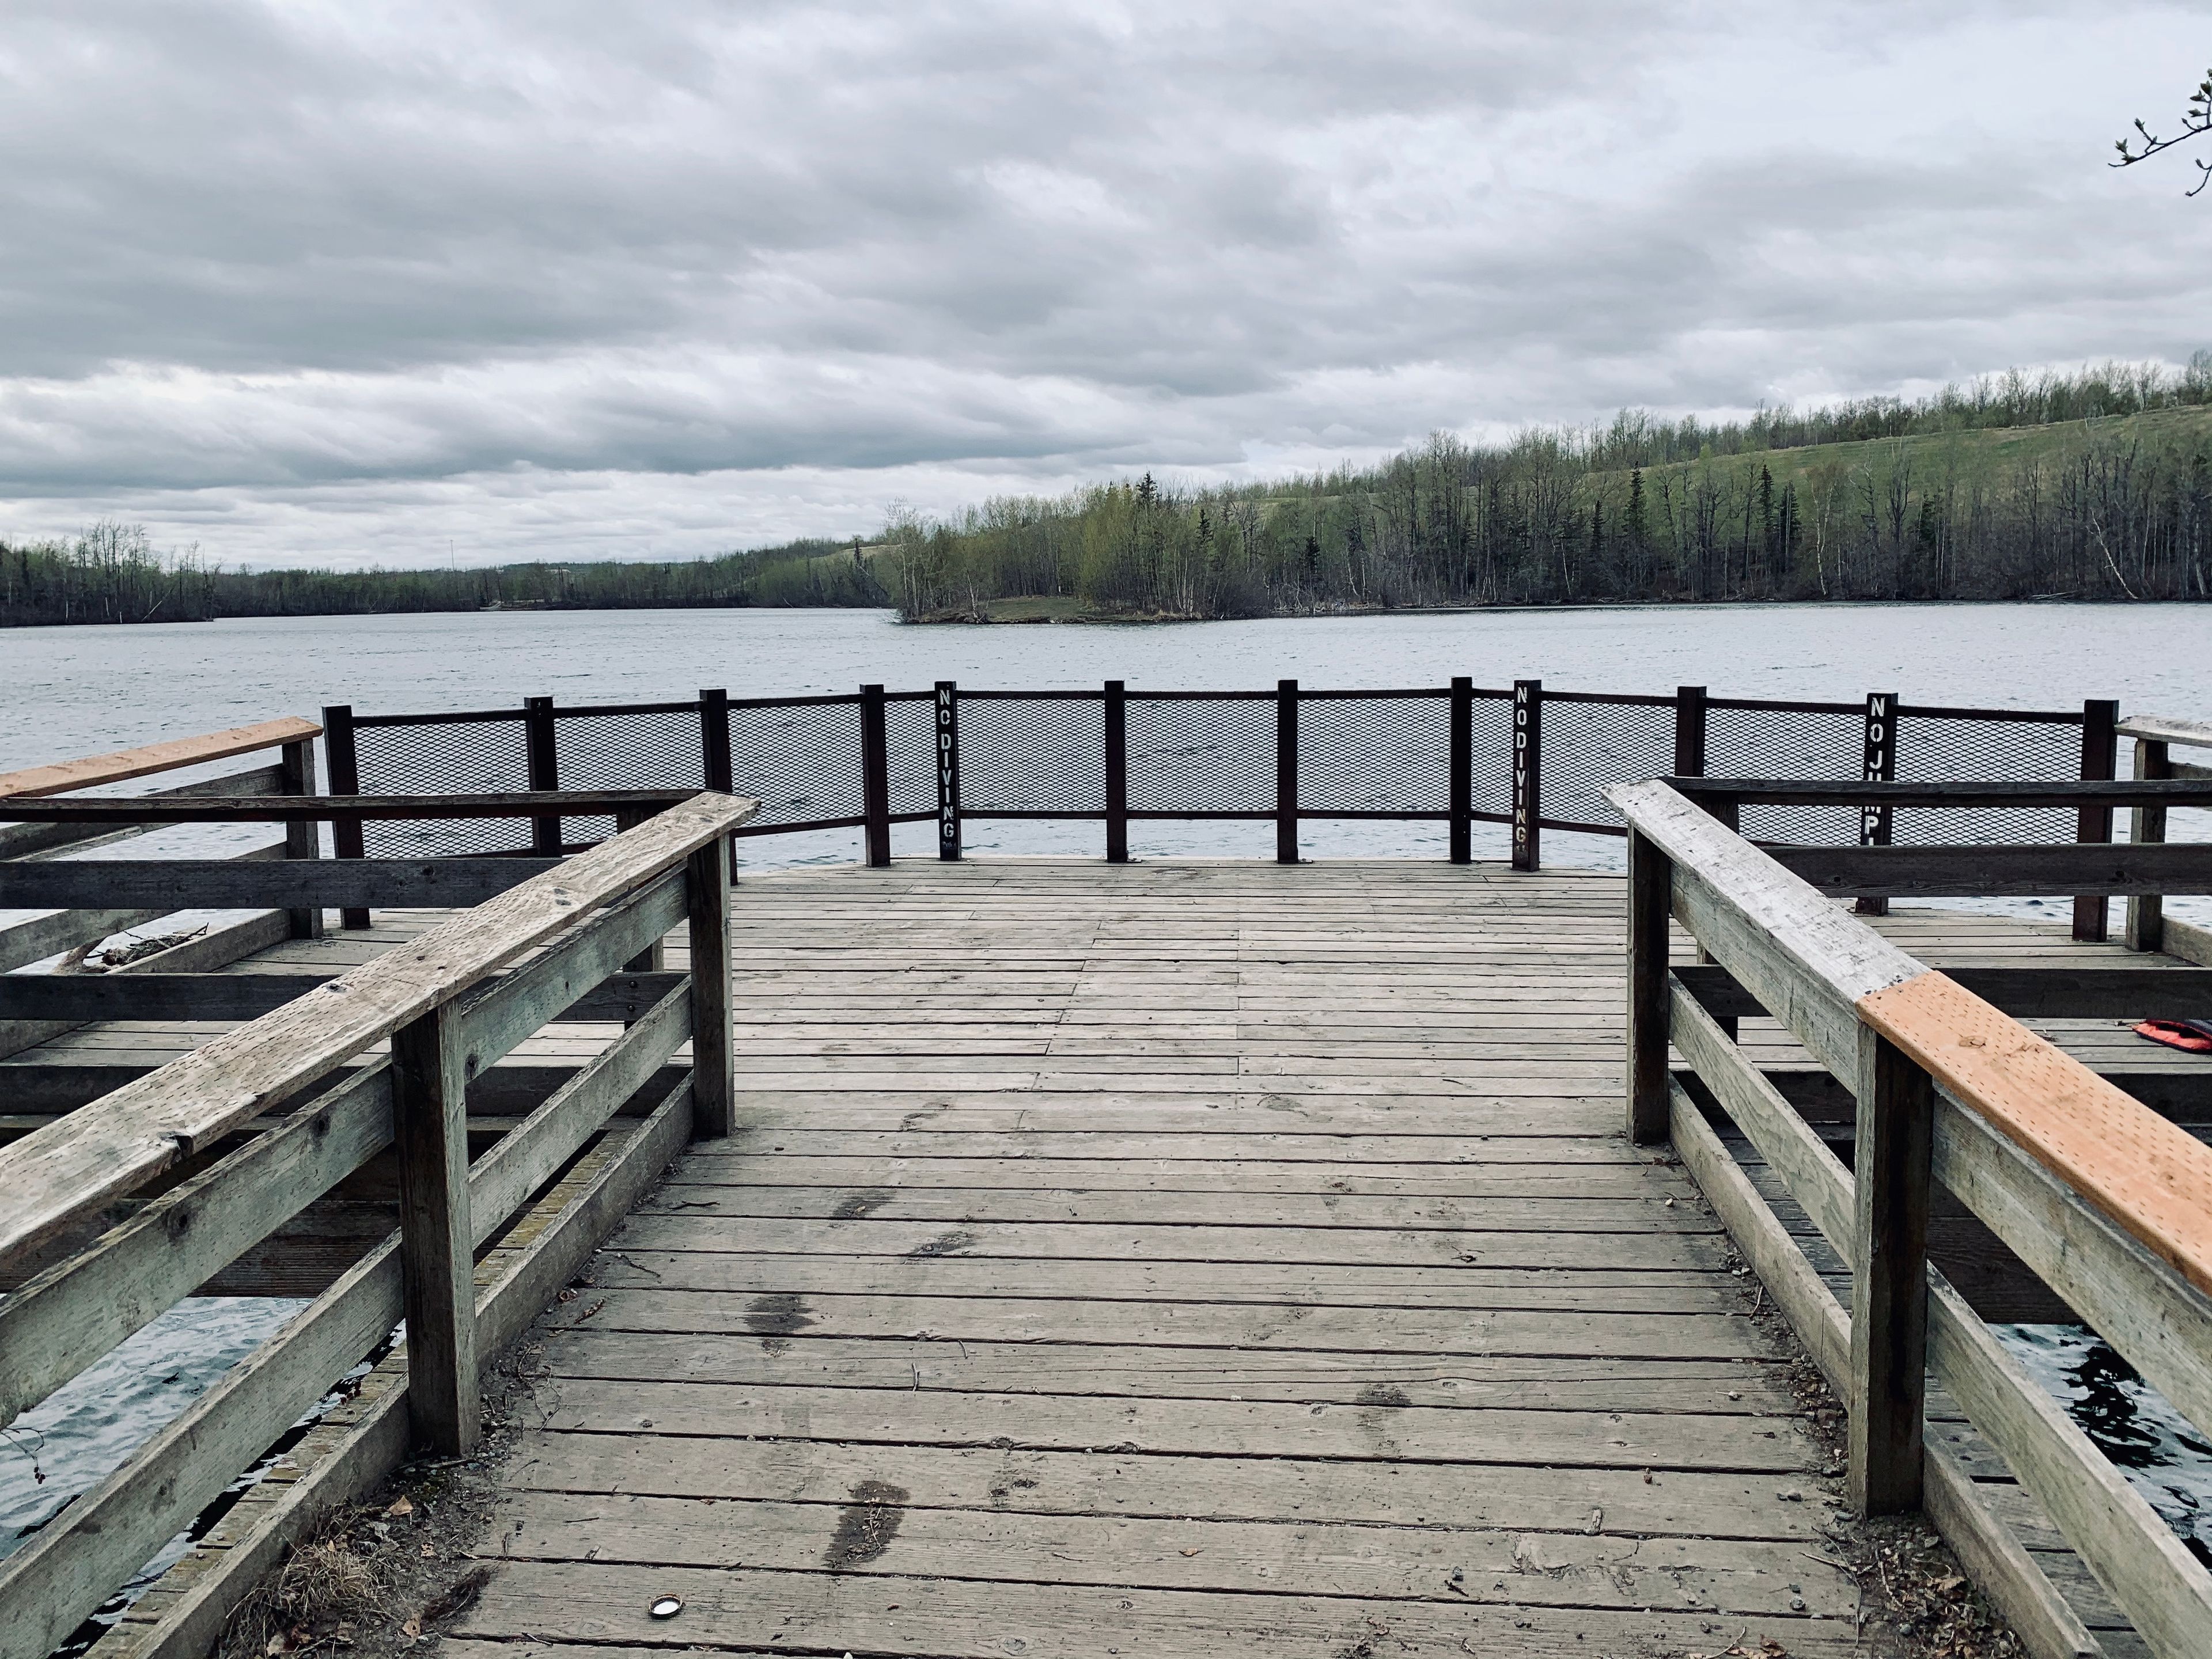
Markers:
<point>2195,122</point>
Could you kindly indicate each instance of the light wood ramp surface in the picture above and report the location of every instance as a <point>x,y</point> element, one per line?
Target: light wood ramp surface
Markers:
<point>1168,1258</point>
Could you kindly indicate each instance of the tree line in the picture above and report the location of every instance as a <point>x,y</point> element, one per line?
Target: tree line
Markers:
<point>112,573</point>
<point>2092,486</point>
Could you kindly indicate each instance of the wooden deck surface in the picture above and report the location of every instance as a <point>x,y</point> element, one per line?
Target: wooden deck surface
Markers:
<point>1176,1258</point>
<point>1179,1259</point>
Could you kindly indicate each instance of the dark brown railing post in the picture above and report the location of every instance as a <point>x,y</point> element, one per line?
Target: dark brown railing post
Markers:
<point>948,771</point>
<point>1463,769</point>
<point>1728,812</point>
<point>1651,1013</point>
<point>714,766</point>
<point>1286,771</point>
<point>537,740</point>
<point>1889,1277</point>
<point>2147,911</point>
<point>1690,715</point>
<point>654,957</point>
<point>1527,774</point>
<point>719,770</point>
<point>714,1042</point>
<point>429,1084</point>
<point>2100,755</point>
<point>1878,765</point>
<point>346,839</point>
<point>303,839</point>
<point>875,776</point>
<point>1117,773</point>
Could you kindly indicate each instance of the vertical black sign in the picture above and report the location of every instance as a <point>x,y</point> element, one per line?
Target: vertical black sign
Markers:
<point>1881,767</point>
<point>1527,771</point>
<point>948,770</point>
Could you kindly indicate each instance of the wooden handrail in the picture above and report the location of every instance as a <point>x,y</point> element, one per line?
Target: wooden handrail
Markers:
<point>120,1141</point>
<point>1801,792</point>
<point>275,809</point>
<point>2107,1201</point>
<point>2158,728</point>
<point>1783,941</point>
<point>163,757</point>
<point>2148,1175</point>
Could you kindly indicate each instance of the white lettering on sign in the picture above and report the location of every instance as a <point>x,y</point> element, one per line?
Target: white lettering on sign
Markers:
<point>948,772</point>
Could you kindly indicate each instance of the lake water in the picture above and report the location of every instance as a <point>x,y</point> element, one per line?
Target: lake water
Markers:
<point>65,692</point>
<point>70,692</point>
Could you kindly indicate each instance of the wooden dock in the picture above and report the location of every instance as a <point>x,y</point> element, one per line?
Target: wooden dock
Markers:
<point>1182,1258</point>
<point>1032,1256</point>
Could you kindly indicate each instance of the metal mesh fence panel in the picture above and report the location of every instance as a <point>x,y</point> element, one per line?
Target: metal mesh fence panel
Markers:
<point>1032,755</point>
<point>1374,755</point>
<point>910,754</point>
<point>1493,756</point>
<point>657,751</point>
<point>1828,744</point>
<point>1939,747</point>
<point>1201,756</point>
<point>1589,746</point>
<point>802,762</point>
<point>449,758</point>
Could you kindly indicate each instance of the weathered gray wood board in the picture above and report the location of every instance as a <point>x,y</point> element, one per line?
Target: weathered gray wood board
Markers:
<point>1256,1248</point>
<point>1177,1258</point>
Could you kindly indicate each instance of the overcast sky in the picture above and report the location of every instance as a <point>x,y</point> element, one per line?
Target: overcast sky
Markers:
<point>354,283</point>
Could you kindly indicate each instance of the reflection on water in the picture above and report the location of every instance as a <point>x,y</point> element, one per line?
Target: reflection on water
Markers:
<point>2164,1457</point>
<point>66,1445</point>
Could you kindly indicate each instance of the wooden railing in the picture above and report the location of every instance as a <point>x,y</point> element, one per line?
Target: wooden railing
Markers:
<point>2149,928</point>
<point>78,928</point>
<point>2106,1201</point>
<point>1528,757</point>
<point>303,1077</point>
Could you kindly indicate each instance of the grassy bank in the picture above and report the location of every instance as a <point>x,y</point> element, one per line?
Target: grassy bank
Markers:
<point>2115,505</point>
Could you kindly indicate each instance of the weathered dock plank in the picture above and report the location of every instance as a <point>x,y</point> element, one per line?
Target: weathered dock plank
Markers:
<point>1179,1258</point>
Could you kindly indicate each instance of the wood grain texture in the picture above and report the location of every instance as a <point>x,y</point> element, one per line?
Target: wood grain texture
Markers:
<point>1806,961</point>
<point>2150,1176</point>
<point>2163,1589</point>
<point>164,756</point>
<point>27,840</point>
<point>2160,728</point>
<point>223,883</point>
<point>430,1086</point>
<point>142,1127</point>
<point>2025,872</point>
<point>1089,1207</point>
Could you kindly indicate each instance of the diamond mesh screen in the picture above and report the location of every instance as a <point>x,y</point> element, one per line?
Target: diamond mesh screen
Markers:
<point>1936,748</point>
<point>465,757</point>
<point>910,754</point>
<point>1493,756</point>
<point>1786,742</point>
<point>1202,757</point>
<point>1373,754</point>
<point>1589,746</point>
<point>1023,756</point>
<point>659,750</point>
<point>803,763</point>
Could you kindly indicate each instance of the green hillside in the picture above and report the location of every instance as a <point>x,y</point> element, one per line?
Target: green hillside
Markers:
<point>2111,506</point>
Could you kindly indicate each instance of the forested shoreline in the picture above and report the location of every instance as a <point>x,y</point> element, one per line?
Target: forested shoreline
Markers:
<point>2091,486</point>
<point>112,574</point>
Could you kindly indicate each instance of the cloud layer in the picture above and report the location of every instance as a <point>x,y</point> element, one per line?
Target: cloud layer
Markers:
<point>301,282</point>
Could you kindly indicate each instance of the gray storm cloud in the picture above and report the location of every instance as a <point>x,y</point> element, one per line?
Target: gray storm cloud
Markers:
<point>346,284</point>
